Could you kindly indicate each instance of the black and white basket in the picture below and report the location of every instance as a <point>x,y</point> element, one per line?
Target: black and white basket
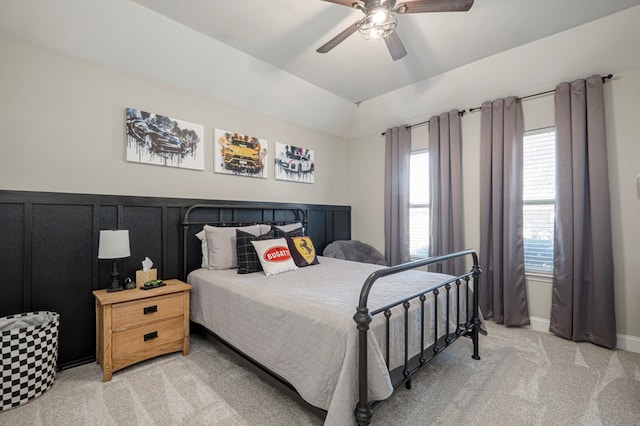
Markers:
<point>28,356</point>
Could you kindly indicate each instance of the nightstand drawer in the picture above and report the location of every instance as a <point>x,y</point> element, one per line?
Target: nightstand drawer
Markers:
<point>133,314</point>
<point>142,341</point>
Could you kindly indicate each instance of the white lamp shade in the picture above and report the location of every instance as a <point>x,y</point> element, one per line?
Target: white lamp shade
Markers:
<point>114,244</point>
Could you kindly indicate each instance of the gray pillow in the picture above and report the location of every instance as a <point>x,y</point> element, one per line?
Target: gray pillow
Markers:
<point>221,243</point>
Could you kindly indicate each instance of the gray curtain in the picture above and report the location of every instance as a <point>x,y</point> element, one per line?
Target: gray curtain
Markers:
<point>447,222</point>
<point>503,294</point>
<point>582,307</point>
<point>396,195</point>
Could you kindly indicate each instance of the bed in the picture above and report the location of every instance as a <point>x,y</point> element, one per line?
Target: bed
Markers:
<point>343,334</point>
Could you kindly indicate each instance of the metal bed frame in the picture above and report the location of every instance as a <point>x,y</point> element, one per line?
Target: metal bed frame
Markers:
<point>403,374</point>
<point>469,326</point>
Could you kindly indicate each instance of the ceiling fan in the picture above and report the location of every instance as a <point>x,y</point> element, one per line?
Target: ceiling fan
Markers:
<point>380,20</point>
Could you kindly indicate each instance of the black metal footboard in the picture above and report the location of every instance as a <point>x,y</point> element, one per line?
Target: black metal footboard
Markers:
<point>467,324</point>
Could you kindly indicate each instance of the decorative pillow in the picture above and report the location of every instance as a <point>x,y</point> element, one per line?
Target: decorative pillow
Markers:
<point>274,256</point>
<point>221,244</point>
<point>291,230</point>
<point>248,260</point>
<point>302,251</point>
<point>202,236</point>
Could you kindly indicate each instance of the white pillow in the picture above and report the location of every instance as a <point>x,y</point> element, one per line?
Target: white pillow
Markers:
<point>221,245</point>
<point>202,236</point>
<point>274,256</point>
<point>264,228</point>
<point>290,227</point>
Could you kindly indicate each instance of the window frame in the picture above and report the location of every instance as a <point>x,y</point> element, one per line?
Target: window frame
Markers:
<point>426,205</point>
<point>536,272</point>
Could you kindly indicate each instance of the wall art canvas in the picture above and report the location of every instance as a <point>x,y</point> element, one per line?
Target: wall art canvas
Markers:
<point>164,141</point>
<point>239,154</point>
<point>294,163</point>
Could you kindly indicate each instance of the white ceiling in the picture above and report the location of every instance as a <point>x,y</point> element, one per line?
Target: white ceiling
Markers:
<point>286,33</point>
<point>260,54</point>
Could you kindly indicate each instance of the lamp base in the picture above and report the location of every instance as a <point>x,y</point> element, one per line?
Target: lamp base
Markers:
<point>115,284</point>
<point>113,288</point>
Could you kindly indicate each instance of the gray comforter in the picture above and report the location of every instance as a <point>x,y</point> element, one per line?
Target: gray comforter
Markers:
<point>300,325</point>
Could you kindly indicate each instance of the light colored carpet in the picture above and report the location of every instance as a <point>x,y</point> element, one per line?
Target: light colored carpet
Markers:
<point>524,378</point>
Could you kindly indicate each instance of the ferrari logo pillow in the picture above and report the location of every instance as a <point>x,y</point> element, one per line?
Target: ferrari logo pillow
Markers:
<point>302,251</point>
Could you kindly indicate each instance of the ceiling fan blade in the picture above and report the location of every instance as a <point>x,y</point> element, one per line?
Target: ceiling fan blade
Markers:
<point>395,46</point>
<point>338,39</point>
<point>425,6</point>
<point>348,3</point>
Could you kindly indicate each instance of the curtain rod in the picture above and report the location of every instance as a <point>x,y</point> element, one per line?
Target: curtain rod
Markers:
<point>604,79</point>
<point>461,113</point>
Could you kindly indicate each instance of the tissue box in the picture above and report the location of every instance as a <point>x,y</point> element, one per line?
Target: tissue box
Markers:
<point>144,276</point>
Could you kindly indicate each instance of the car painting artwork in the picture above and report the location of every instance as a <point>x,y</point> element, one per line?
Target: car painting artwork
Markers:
<point>241,155</point>
<point>165,141</point>
<point>294,164</point>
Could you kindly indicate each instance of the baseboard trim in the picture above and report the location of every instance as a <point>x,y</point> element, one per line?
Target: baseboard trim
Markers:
<point>629,343</point>
<point>539,324</point>
<point>625,342</point>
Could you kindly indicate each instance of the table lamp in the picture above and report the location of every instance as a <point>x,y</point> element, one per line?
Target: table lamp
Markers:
<point>114,244</point>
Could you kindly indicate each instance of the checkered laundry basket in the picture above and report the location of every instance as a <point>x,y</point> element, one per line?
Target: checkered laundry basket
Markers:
<point>29,352</point>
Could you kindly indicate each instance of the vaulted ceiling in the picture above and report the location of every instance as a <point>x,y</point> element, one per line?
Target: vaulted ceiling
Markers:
<point>286,34</point>
<point>261,55</point>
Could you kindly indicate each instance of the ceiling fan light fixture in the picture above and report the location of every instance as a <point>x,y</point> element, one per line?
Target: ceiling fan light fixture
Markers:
<point>378,23</point>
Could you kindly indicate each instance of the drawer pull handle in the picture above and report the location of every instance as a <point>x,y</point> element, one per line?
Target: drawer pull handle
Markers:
<point>150,336</point>
<point>150,309</point>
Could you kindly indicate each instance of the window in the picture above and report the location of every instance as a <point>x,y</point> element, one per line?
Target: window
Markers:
<point>419,207</point>
<point>539,191</point>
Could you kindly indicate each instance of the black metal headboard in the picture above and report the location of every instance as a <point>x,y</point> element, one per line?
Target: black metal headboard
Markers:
<point>199,215</point>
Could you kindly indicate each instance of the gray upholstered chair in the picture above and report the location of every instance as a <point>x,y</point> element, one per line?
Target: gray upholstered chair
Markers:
<point>354,250</point>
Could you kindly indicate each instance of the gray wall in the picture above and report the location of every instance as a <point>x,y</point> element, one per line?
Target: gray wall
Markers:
<point>63,131</point>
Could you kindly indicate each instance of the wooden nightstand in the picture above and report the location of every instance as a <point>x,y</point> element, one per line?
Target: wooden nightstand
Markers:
<point>134,325</point>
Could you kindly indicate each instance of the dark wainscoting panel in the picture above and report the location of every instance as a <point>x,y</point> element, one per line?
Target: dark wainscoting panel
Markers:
<point>12,232</point>
<point>145,222</point>
<point>62,270</point>
<point>49,246</point>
